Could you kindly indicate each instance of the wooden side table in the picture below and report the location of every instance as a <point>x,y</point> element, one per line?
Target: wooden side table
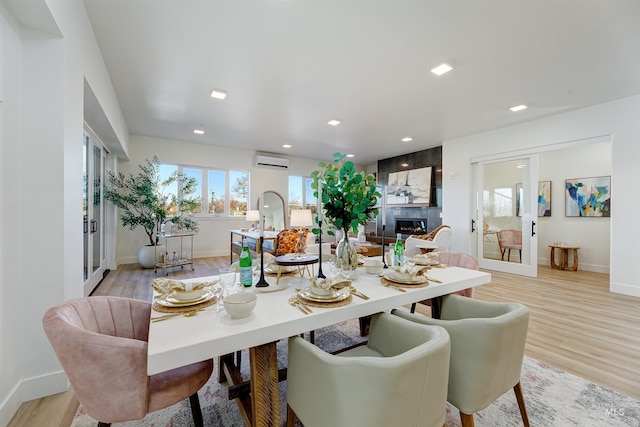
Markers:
<point>564,257</point>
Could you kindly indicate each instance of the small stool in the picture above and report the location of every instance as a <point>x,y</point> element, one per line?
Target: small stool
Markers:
<point>564,257</point>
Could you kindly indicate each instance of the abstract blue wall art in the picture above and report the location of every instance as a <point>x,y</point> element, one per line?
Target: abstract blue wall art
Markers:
<point>588,196</point>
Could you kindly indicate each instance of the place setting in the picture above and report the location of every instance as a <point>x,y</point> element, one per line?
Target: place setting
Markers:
<point>177,297</point>
<point>405,276</point>
<point>326,292</point>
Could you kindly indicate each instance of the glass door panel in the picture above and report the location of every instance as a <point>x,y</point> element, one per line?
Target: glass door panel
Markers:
<point>505,219</point>
<point>94,158</point>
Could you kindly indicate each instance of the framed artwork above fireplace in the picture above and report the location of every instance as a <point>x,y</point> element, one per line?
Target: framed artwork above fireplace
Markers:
<point>411,187</point>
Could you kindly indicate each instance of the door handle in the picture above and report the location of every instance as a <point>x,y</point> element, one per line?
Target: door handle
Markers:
<point>94,226</point>
<point>473,223</point>
<point>533,231</point>
<point>85,227</point>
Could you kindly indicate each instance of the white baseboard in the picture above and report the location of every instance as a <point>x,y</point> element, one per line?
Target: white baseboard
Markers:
<point>621,288</point>
<point>206,254</point>
<point>29,389</point>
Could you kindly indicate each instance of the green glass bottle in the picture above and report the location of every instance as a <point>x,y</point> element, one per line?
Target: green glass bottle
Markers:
<point>246,271</point>
<point>398,251</point>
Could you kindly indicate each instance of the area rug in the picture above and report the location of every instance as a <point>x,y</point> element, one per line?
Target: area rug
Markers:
<point>554,398</point>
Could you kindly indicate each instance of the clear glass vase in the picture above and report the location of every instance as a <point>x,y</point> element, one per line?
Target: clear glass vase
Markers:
<point>346,257</point>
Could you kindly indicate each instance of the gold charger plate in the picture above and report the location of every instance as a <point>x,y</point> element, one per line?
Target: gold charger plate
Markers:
<point>417,280</point>
<point>335,296</point>
<point>170,301</point>
<point>181,308</point>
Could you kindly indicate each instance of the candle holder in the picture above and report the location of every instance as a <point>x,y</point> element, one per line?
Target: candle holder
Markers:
<point>320,274</point>
<point>262,283</point>
<point>384,259</point>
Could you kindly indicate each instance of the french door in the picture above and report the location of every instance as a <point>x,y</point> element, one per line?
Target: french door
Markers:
<point>506,200</point>
<point>94,253</point>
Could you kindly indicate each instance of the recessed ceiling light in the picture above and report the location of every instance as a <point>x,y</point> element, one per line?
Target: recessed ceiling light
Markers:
<point>404,165</point>
<point>198,131</point>
<point>219,94</point>
<point>351,155</point>
<point>518,108</point>
<point>334,122</point>
<point>286,145</point>
<point>441,69</point>
<point>407,139</point>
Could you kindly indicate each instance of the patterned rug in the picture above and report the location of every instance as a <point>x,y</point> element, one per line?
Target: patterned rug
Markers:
<point>553,397</point>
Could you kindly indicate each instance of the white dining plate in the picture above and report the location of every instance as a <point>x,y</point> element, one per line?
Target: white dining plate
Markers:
<point>273,287</point>
<point>170,301</point>
<point>417,280</point>
<point>335,296</point>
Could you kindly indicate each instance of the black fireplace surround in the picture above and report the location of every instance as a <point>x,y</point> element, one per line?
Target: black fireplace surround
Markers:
<point>409,226</point>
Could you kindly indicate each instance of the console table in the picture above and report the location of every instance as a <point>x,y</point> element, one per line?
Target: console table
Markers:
<point>253,242</point>
<point>564,257</point>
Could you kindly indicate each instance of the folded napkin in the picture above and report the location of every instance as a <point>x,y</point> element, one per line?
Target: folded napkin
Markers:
<point>166,286</point>
<point>427,256</point>
<point>335,282</point>
<point>415,270</point>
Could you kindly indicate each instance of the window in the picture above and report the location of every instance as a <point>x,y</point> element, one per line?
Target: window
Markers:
<point>222,192</point>
<point>500,203</point>
<point>301,194</point>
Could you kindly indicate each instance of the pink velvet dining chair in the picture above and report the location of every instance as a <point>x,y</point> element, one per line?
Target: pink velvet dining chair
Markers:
<point>457,259</point>
<point>101,343</point>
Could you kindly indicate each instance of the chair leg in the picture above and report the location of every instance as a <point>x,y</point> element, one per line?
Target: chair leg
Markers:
<point>291,416</point>
<point>466,419</point>
<point>523,409</point>
<point>413,307</point>
<point>196,410</point>
<point>101,424</point>
<point>365,322</point>
<point>502,254</point>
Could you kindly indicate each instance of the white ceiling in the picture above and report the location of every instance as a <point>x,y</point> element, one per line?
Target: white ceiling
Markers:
<point>289,66</point>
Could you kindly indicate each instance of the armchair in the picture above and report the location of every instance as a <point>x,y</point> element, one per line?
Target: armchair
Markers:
<point>510,239</point>
<point>101,343</point>
<point>406,370</point>
<point>487,349</point>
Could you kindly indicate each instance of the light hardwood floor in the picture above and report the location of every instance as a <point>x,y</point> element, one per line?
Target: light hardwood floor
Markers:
<point>576,325</point>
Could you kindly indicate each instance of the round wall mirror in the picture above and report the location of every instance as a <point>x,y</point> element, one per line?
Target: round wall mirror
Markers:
<point>275,215</point>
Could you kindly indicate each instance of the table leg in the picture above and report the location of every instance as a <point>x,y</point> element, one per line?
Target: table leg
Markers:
<point>553,259</point>
<point>265,408</point>
<point>575,260</point>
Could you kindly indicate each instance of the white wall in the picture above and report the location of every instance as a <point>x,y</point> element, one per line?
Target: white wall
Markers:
<point>42,81</point>
<point>617,119</point>
<point>592,234</point>
<point>213,237</point>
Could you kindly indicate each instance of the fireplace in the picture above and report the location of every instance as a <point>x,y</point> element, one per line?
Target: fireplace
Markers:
<point>408,226</point>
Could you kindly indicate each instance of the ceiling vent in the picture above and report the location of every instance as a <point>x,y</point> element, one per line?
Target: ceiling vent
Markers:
<point>271,162</point>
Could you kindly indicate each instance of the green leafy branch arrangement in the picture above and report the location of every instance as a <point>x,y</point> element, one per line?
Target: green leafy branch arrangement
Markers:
<point>143,201</point>
<point>349,197</point>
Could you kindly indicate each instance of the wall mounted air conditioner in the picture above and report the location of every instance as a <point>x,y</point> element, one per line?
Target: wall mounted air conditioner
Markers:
<point>271,162</point>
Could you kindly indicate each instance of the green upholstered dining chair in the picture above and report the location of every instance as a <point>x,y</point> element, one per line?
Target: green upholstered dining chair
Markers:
<point>487,349</point>
<point>398,379</point>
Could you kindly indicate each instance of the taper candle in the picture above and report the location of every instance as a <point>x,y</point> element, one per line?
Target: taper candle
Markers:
<point>319,208</point>
<point>384,208</point>
<point>261,209</point>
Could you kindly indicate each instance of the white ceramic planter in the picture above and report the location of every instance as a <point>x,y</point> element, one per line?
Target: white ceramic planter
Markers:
<point>149,255</point>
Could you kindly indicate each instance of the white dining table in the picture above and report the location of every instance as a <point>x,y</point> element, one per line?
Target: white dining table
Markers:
<point>183,340</point>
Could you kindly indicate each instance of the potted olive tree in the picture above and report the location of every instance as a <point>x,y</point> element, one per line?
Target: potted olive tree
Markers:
<point>349,199</point>
<point>144,201</point>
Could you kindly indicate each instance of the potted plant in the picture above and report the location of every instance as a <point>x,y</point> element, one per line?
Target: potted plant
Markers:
<point>144,201</point>
<point>349,200</point>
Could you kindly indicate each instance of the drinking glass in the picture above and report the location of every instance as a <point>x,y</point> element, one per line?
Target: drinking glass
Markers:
<point>227,279</point>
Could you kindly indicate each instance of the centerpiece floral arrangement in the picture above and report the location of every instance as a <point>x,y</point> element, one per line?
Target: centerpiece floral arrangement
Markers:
<point>348,200</point>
